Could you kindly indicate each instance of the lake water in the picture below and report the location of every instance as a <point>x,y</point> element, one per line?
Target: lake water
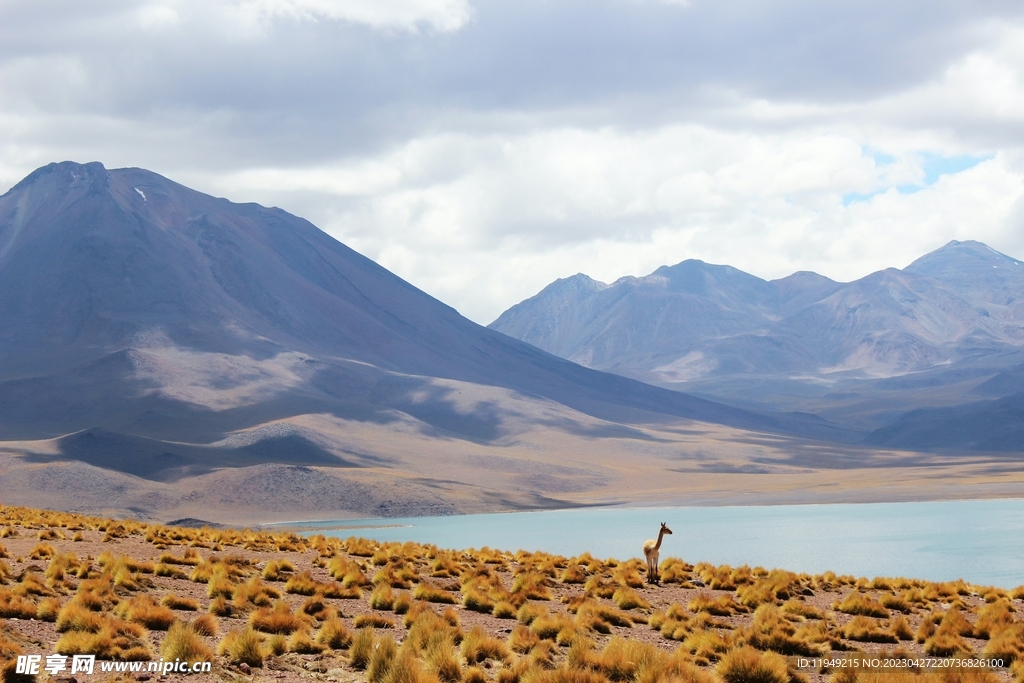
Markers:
<point>981,541</point>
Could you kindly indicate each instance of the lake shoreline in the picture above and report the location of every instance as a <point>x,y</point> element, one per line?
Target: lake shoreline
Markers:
<point>935,540</point>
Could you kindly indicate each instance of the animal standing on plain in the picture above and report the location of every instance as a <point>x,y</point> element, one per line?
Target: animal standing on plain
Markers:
<point>651,549</point>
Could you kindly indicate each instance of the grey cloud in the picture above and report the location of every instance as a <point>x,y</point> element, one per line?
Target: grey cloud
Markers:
<point>329,87</point>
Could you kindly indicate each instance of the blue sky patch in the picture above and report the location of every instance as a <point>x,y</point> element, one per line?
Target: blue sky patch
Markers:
<point>934,166</point>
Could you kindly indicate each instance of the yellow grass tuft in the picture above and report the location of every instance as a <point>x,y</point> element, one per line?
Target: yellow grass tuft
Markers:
<point>245,646</point>
<point>278,619</point>
<point>362,648</point>
<point>334,634</point>
<point>373,621</point>
<point>747,665</point>
<point>184,642</point>
<point>860,604</point>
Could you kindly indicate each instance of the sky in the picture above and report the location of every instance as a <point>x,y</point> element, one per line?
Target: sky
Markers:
<point>481,149</point>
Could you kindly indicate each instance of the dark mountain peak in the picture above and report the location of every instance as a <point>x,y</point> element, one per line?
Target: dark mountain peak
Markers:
<point>63,174</point>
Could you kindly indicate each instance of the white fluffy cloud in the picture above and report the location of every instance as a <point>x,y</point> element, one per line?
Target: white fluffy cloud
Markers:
<point>482,151</point>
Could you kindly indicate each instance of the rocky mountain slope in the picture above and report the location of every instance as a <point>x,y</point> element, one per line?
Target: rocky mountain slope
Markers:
<point>861,353</point>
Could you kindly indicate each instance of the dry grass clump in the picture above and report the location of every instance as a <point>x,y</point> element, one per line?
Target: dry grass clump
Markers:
<point>747,665</point>
<point>626,598</point>
<point>947,638</point>
<point>993,618</point>
<point>175,602</point>
<point>432,593</point>
<point>334,634</point>
<point>373,621</point>
<point>105,636</point>
<point>245,646</point>
<point>770,630</point>
<point>361,648</point>
<point>860,604</point>
<point>301,584</point>
<point>722,606</point>
<point>674,570</point>
<point>868,630</point>
<point>531,585</point>
<point>14,606</point>
<point>184,642</point>
<point>277,619</point>
<point>900,603</point>
<point>254,593</point>
<point>145,611</point>
<point>802,609</point>
<point>478,645</point>
<point>278,570</point>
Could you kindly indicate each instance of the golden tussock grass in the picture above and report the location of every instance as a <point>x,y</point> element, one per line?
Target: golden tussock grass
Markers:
<point>530,611</point>
<point>245,646</point>
<point>504,610</point>
<point>747,665</point>
<point>48,609</point>
<point>317,607</point>
<point>549,626</point>
<point>432,593</point>
<point>170,571</point>
<point>14,606</point>
<point>277,619</point>
<point>373,621</point>
<point>723,605</point>
<point>627,598</point>
<point>221,607</point>
<point>478,645</point>
<point>205,625</point>
<point>860,604</point>
<point>184,642</point>
<point>301,584</point>
<point>770,630</point>
<point>301,642</point>
<point>145,611</point>
<point>868,630</point>
<point>531,585</point>
<point>994,617</point>
<point>381,658</point>
<point>802,609</point>
<point>382,597</point>
<point>278,570</point>
<point>175,602</point>
<point>254,593</point>
<point>441,658</point>
<point>361,648</point>
<point>334,634</point>
<point>573,574</point>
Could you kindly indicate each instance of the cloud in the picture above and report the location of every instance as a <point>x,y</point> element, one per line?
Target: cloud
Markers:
<point>481,149</point>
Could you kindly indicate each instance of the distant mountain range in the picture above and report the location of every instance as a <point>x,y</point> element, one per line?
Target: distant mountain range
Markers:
<point>861,353</point>
<point>161,333</point>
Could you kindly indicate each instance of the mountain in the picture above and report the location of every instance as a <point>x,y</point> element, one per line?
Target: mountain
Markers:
<point>165,335</point>
<point>803,342</point>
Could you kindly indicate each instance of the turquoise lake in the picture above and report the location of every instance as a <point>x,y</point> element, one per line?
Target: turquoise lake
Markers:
<point>981,541</point>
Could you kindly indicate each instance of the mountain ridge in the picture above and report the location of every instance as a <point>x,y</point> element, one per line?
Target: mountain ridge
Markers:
<point>803,342</point>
